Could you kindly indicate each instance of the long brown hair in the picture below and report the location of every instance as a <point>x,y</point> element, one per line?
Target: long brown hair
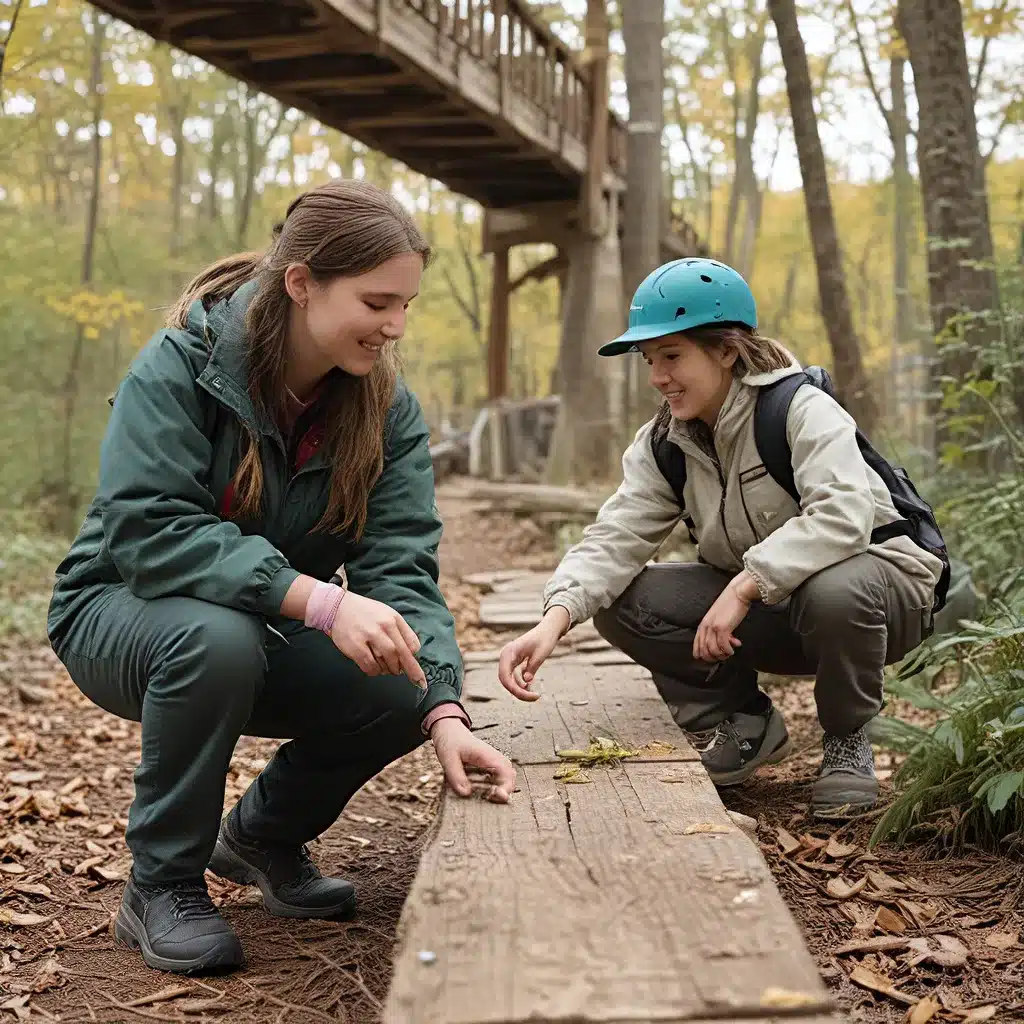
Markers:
<point>341,229</point>
<point>755,354</point>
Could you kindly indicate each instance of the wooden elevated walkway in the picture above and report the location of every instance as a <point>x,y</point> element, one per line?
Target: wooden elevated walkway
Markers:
<point>627,895</point>
<point>479,94</point>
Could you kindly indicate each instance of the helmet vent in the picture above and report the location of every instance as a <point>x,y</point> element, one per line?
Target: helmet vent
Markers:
<point>704,277</point>
<point>681,311</point>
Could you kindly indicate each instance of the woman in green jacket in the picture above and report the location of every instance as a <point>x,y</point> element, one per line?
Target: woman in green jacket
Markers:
<point>261,558</point>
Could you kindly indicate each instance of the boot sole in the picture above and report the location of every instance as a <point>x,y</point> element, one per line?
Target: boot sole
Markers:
<point>227,864</point>
<point>726,779</point>
<point>131,932</point>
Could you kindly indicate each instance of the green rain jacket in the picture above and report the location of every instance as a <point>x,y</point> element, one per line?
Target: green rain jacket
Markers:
<point>166,464</point>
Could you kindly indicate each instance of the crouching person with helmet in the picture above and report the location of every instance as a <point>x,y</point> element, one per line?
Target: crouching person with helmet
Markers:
<point>816,557</point>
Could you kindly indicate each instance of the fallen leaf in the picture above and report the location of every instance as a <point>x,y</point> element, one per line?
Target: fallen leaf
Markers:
<point>89,862</point>
<point>18,1005</point>
<point>21,778</point>
<point>74,804</point>
<point>18,920</point>
<point>922,913</point>
<point>48,976</point>
<point>868,979</point>
<point>45,802</point>
<point>979,1013</point>
<point>33,889</point>
<point>1002,940</point>
<point>109,873</point>
<point>706,827</point>
<point>813,842</point>
<point>840,851</point>
<point>924,1010</point>
<point>788,842</point>
<point>889,921</point>
<point>951,952</point>
<point>842,890</point>
<point>784,998</point>
<point>886,883</point>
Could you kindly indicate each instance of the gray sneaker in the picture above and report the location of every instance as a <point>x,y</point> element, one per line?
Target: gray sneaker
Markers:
<point>735,748</point>
<point>846,783</point>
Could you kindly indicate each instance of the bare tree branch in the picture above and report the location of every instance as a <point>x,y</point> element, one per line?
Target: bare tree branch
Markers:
<point>983,56</point>
<point>866,64</point>
<point>4,45</point>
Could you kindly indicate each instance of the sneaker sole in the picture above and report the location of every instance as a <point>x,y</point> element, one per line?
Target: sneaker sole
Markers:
<point>227,864</point>
<point>130,932</point>
<point>726,779</point>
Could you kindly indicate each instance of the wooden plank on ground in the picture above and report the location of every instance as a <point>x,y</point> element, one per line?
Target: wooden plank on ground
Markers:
<point>632,898</point>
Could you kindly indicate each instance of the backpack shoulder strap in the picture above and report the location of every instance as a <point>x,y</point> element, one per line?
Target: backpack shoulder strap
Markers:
<point>671,462</point>
<point>770,416</point>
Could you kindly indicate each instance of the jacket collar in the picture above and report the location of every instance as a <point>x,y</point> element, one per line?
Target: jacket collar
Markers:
<point>226,373</point>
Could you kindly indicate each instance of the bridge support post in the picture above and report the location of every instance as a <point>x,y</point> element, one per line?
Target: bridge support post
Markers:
<point>498,332</point>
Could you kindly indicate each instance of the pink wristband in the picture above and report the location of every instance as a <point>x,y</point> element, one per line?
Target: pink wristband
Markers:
<point>322,606</point>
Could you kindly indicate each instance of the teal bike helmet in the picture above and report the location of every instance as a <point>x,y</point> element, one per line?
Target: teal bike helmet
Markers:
<point>682,294</point>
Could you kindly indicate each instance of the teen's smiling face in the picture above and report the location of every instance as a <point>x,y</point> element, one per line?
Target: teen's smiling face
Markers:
<point>347,321</point>
<point>694,379</point>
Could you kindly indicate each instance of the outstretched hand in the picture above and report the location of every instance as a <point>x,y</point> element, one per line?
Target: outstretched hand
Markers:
<point>458,749</point>
<point>521,658</point>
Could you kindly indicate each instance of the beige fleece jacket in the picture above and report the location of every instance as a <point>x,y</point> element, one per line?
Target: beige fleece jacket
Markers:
<point>743,518</point>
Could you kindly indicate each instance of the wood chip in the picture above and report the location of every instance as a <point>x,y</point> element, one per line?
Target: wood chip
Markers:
<point>876,944</point>
<point>979,1013</point>
<point>843,890</point>
<point>171,992</point>
<point>1002,940</point>
<point>108,873</point>
<point>924,1010</point>
<point>784,998</point>
<point>868,979</point>
<point>706,827</point>
<point>885,883</point>
<point>889,921</point>
<point>69,787</point>
<point>23,778</point>
<point>13,869</point>
<point>941,950</point>
<point>788,842</point>
<point>45,803</point>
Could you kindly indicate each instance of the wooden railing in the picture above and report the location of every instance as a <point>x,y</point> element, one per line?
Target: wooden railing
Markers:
<point>529,58</point>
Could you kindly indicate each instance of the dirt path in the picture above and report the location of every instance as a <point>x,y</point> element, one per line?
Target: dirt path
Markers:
<point>66,784</point>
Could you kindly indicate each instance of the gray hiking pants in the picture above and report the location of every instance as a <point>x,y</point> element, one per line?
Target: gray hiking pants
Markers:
<point>843,625</point>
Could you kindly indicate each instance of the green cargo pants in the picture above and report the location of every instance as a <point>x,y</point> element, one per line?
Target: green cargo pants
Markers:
<point>199,675</point>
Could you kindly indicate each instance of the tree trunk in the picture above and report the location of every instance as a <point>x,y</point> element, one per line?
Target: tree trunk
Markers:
<point>249,168</point>
<point>643,25</point>
<point>961,279</point>
<point>584,434</point>
<point>851,382</point>
<point>902,202</point>
<point>67,494</point>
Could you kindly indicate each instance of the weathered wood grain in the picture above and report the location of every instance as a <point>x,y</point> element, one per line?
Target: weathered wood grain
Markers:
<point>578,703</point>
<point>593,903</point>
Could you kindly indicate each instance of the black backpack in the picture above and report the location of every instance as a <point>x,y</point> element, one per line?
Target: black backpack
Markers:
<point>770,416</point>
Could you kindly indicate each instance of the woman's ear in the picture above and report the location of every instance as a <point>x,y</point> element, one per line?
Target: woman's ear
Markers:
<point>298,282</point>
<point>728,354</point>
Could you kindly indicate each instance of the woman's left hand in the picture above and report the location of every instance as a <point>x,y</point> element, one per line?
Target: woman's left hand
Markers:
<point>458,749</point>
<point>715,640</point>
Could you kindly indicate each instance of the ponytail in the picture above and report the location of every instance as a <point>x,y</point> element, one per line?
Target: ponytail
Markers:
<point>216,282</point>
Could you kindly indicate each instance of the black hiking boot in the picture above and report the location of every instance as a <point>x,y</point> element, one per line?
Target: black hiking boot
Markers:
<point>735,748</point>
<point>289,880</point>
<point>177,928</point>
